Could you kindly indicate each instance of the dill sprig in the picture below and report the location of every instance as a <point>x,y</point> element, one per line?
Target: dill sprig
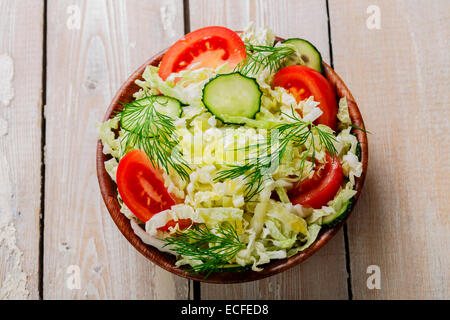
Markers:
<point>360,129</point>
<point>262,57</point>
<point>300,132</point>
<point>264,158</point>
<point>213,249</point>
<point>153,132</point>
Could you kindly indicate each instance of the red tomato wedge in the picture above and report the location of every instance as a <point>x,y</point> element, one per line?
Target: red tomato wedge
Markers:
<point>303,82</point>
<point>323,188</point>
<point>310,183</point>
<point>208,47</point>
<point>182,224</point>
<point>141,186</point>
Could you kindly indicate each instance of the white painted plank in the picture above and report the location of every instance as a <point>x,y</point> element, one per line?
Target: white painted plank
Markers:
<point>20,147</point>
<point>399,77</point>
<point>85,68</point>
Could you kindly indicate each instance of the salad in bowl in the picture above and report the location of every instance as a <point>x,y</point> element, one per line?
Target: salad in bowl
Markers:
<point>234,152</point>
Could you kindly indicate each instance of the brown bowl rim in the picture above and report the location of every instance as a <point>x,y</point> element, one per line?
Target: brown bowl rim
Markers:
<point>167,261</point>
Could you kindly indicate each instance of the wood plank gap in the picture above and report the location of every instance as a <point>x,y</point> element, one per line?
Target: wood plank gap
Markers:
<point>347,264</point>
<point>186,16</point>
<point>197,290</point>
<point>189,290</point>
<point>43,142</point>
<point>346,243</point>
<point>330,46</point>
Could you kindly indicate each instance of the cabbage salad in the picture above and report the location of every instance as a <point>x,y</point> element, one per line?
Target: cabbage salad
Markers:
<point>231,181</point>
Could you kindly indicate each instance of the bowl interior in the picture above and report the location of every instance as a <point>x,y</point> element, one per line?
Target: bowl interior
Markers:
<point>167,261</point>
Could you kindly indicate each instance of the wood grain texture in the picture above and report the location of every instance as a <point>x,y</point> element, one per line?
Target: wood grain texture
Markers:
<point>399,76</point>
<point>86,66</point>
<point>20,149</point>
<point>323,275</point>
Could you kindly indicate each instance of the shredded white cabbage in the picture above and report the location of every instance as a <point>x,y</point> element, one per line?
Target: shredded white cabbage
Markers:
<point>258,36</point>
<point>107,136</point>
<point>343,114</point>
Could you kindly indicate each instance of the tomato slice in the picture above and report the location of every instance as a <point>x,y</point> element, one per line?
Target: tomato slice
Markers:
<point>208,47</point>
<point>310,183</point>
<point>182,224</point>
<point>303,82</point>
<point>141,186</point>
<point>324,188</point>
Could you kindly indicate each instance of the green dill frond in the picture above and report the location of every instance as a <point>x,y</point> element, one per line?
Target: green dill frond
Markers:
<point>265,157</point>
<point>261,162</point>
<point>262,57</point>
<point>213,248</point>
<point>154,133</point>
<point>360,129</point>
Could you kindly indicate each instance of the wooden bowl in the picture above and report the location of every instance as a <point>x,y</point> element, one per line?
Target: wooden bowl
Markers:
<point>167,261</point>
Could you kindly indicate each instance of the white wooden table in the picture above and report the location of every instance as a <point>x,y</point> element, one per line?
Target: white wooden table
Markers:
<point>70,56</point>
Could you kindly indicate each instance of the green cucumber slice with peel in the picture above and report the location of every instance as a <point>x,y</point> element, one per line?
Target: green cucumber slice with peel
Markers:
<point>308,52</point>
<point>232,98</point>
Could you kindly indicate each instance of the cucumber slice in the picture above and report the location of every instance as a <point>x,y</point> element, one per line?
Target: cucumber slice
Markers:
<point>308,52</point>
<point>134,114</point>
<point>332,220</point>
<point>232,97</point>
<point>167,105</point>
